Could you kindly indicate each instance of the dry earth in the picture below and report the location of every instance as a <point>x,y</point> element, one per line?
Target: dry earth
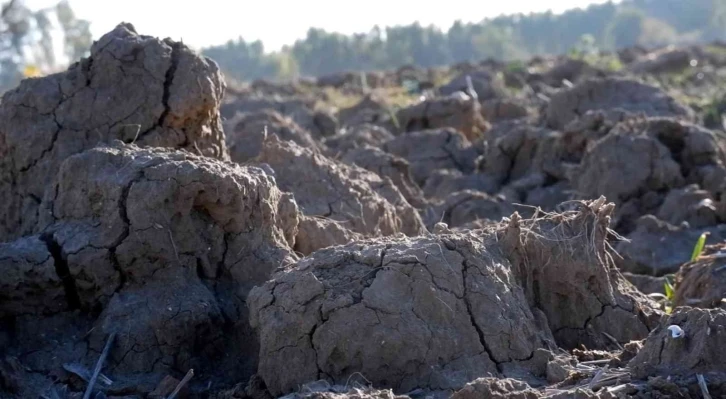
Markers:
<point>484,240</point>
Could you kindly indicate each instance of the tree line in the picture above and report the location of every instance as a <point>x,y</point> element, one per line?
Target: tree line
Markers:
<point>607,26</point>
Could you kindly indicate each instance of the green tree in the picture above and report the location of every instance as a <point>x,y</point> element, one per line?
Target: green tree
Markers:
<point>76,32</point>
<point>625,29</point>
<point>27,47</point>
<point>655,32</point>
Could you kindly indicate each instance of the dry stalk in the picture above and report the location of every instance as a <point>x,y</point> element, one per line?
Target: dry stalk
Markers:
<point>99,365</point>
<point>181,384</point>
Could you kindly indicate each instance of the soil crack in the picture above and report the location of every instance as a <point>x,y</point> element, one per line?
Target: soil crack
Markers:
<point>479,332</point>
<point>62,270</point>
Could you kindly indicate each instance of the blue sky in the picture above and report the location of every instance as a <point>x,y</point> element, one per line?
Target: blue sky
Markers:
<point>279,22</point>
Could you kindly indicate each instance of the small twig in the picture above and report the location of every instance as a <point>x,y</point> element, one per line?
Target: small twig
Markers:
<point>176,252</point>
<point>601,361</point>
<point>617,389</point>
<point>611,380</point>
<point>347,382</point>
<point>84,373</point>
<point>181,384</point>
<point>704,387</point>
<point>597,377</point>
<point>99,365</point>
<point>615,341</point>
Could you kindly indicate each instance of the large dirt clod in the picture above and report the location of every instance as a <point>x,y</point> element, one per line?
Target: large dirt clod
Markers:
<point>318,123</point>
<point>496,110</point>
<point>354,198</point>
<point>443,183</point>
<point>250,129</point>
<point>404,313</point>
<point>463,207</point>
<point>657,248</point>
<point>515,151</point>
<point>163,246</point>
<point>612,93</point>
<point>372,109</point>
<point>133,88</point>
<point>460,112</point>
<point>639,161</point>
<point>702,283</point>
<point>436,312</point>
<point>389,166</point>
<point>663,61</point>
<point>357,136</point>
<point>571,70</point>
<point>130,212</point>
<point>699,350</point>
<point>430,150</point>
<point>623,166</point>
<point>691,205</point>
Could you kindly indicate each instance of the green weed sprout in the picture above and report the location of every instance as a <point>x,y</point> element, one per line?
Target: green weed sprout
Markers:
<point>670,293</point>
<point>698,248</point>
<point>668,287</point>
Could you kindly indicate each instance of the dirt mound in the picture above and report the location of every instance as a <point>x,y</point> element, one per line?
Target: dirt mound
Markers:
<point>250,129</point>
<point>702,283</point>
<point>496,110</point>
<point>442,183</point>
<point>463,207</point>
<point>668,60</point>
<point>358,136</point>
<point>529,164</point>
<point>638,162</point>
<point>354,198</point>
<point>160,247</point>
<point>516,151</point>
<point>486,85</point>
<point>624,166</point>
<point>388,166</point>
<point>133,88</point>
<point>437,312</point>
<point>371,109</point>
<point>571,70</point>
<point>458,111</point>
<point>318,123</point>
<point>698,350</point>
<point>404,313</point>
<point>657,248</point>
<point>691,205</point>
<point>582,132</point>
<point>430,150</point>
<point>612,93</point>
